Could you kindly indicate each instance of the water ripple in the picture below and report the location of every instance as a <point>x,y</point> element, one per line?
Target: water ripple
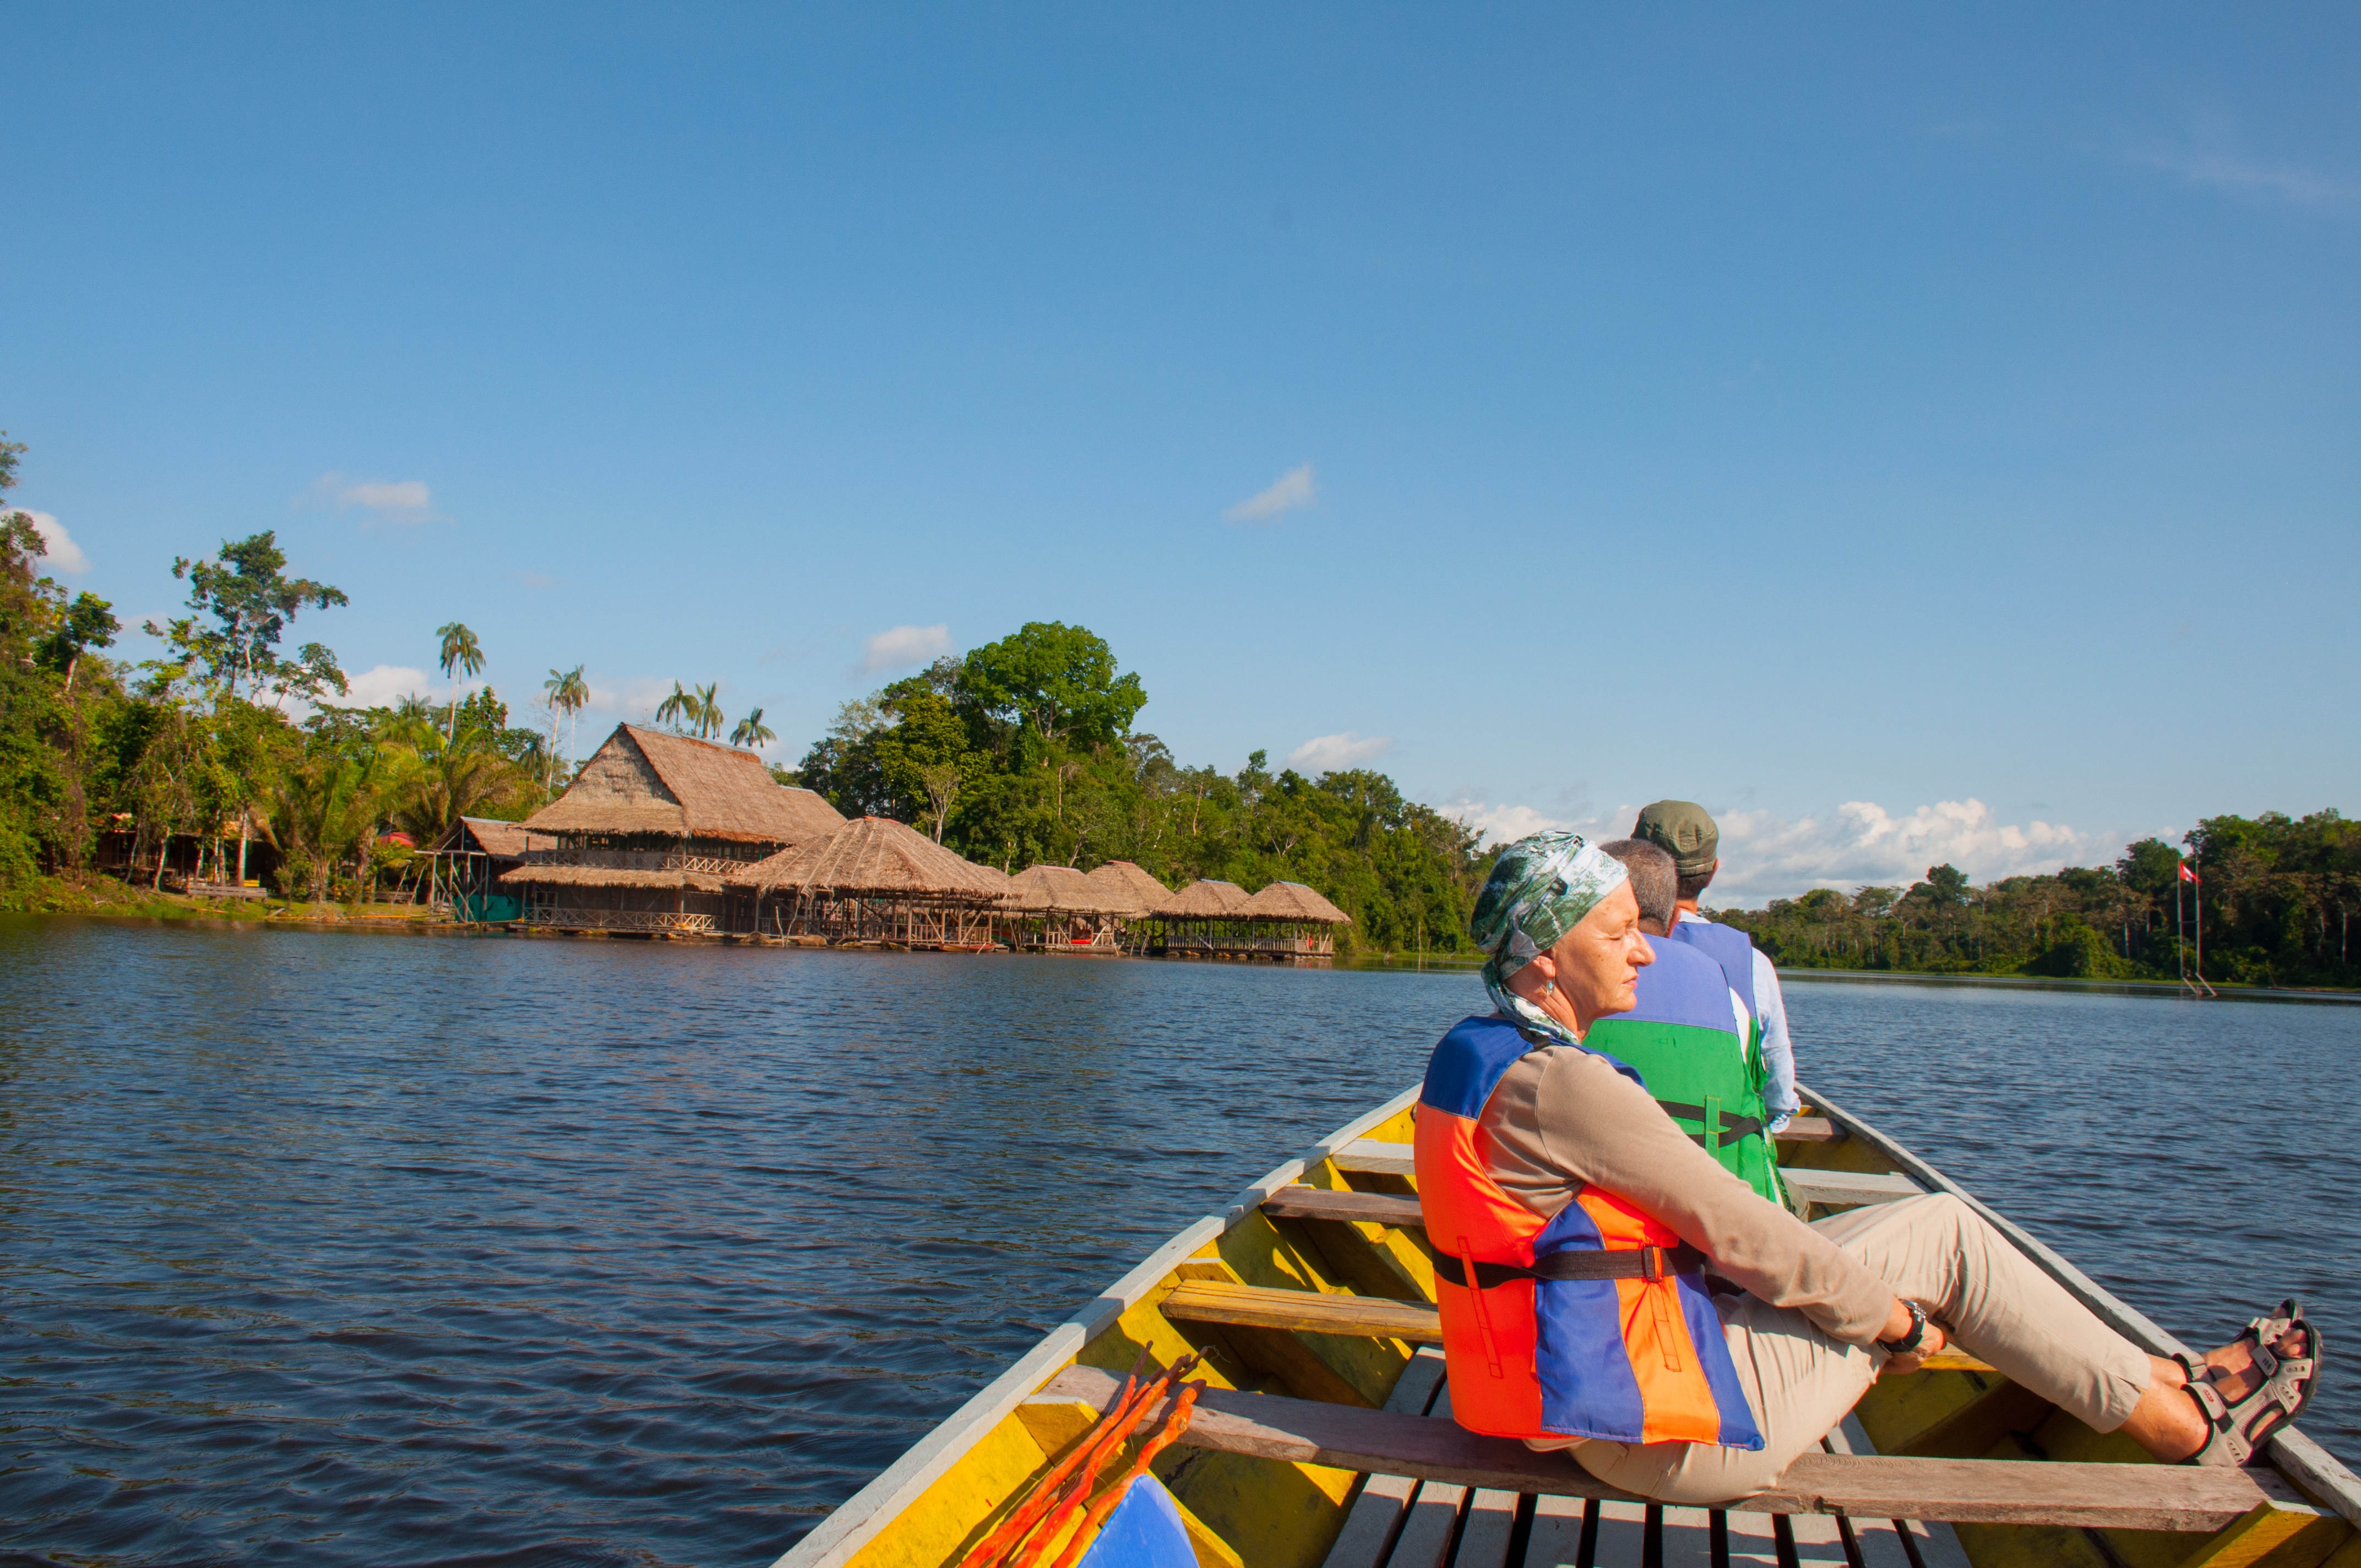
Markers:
<point>395,1251</point>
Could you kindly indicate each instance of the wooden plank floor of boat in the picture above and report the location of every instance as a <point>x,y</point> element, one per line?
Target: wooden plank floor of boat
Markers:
<point>1397,1522</point>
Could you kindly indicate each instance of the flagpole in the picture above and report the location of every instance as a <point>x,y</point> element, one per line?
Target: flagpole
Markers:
<point>2197,905</point>
<point>2179,924</point>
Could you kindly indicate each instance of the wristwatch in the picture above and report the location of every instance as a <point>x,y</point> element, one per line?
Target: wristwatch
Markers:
<point>1914,1339</point>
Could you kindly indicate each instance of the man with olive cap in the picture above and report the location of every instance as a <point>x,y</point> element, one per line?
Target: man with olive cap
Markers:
<point>1684,830</point>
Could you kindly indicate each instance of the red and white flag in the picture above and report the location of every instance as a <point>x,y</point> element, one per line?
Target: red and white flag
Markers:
<point>2187,874</point>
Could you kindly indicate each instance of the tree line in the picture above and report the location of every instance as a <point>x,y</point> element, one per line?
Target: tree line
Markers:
<point>2275,895</point>
<point>1023,751</point>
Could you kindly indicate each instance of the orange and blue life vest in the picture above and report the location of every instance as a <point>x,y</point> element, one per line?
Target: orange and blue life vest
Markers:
<point>1634,1354</point>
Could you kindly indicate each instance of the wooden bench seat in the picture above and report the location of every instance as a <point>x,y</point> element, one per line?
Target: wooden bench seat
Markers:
<point>1369,1317</point>
<point>1847,1187</point>
<point>1323,1203</point>
<point>2098,1496</point>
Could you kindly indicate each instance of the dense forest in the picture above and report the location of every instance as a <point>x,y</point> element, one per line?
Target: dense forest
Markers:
<point>2277,895</point>
<point>1024,750</point>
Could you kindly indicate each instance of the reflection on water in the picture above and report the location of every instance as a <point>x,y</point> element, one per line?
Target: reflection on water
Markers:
<point>347,1249</point>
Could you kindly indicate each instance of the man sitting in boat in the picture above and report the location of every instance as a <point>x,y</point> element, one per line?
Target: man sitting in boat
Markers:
<point>1685,830</point>
<point>1572,1221</point>
<point>1687,1034</point>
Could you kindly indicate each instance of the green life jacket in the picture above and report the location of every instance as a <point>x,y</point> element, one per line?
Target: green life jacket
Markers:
<point>1683,1041</point>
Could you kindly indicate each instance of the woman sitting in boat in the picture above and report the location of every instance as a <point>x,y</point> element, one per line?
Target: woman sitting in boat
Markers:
<point>1573,1221</point>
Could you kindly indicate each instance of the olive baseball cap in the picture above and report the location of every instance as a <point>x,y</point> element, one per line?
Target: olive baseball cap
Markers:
<point>1681,829</point>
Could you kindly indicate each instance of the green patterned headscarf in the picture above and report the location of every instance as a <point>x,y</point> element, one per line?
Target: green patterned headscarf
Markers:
<point>1540,889</point>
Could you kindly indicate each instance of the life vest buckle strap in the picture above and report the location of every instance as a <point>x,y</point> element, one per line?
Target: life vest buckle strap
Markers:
<point>1649,1263</point>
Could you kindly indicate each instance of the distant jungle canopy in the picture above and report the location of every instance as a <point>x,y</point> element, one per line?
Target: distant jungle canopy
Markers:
<point>1023,752</point>
<point>2278,893</point>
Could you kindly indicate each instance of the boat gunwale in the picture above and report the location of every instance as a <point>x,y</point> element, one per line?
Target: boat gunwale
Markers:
<point>861,1517</point>
<point>2292,1452</point>
<point>856,1521</point>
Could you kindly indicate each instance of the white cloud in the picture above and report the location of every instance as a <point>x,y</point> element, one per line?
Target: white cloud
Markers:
<point>633,699</point>
<point>1291,491</point>
<point>903,647</point>
<point>61,554</point>
<point>386,500</point>
<point>1500,824</point>
<point>1862,843</point>
<point>382,686</point>
<point>2286,183</point>
<point>1859,844</point>
<point>1326,753</point>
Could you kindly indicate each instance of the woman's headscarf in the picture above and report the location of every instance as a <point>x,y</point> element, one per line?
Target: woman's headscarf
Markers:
<point>1540,889</point>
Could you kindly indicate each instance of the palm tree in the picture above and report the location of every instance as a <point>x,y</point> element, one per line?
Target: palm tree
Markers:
<point>751,732</point>
<point>568,693</point>
<point>679,705</point>
<point>460,651</point>
<point>706,712</point>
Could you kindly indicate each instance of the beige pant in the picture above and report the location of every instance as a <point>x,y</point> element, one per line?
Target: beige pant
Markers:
<point>1937,1252</point>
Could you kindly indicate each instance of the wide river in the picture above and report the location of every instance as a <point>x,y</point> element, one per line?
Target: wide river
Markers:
<point>354,1249</point>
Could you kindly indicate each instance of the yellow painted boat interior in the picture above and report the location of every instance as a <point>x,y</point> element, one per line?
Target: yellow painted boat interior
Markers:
<point>1252,1512</point>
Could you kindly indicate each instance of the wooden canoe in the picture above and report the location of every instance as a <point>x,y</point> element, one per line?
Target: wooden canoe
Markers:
<point>1318,1443</point>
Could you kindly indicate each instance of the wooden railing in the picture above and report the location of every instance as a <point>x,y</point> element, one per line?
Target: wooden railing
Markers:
<point>640,860</point>
<point>579,919</point>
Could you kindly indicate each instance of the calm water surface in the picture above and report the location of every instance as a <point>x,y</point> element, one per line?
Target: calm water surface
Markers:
<point>345,1249</point>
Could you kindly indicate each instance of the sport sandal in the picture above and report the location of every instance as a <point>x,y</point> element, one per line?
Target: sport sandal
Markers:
<point>2284,1386</point>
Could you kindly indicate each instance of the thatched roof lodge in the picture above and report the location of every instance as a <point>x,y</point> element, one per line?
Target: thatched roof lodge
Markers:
<point>1047,890</point>
<point>1125,890</point>
<point>873,880</point>
<point>1201,900</point>
<point>1287,922</point>
<point>1292,903</point>
<point>644,838</point>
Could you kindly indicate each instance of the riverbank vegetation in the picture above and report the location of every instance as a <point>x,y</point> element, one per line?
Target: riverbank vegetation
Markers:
<point>2277,896</point>
<point>1024,750</point>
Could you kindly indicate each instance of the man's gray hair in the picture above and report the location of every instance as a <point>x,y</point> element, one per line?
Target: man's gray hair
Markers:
<point>1655,881</point>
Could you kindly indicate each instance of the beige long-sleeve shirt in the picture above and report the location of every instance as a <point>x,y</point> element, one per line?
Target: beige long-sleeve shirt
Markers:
<point>1563,1119</point>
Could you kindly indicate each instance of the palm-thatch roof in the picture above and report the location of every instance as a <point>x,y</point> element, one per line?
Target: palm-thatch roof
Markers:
<point>483,836</point>
<point>1291,901</point>
<point>875,855</point>
<point>1202,900</point>
<point>644,781</point>
<point>606,876</point>
<point>1039,890</point>
<point>1123,889</point>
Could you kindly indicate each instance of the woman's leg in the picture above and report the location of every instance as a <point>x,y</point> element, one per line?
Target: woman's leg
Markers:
<point>1937,1250</point>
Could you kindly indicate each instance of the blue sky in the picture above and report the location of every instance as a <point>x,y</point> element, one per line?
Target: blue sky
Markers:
<point>1917,436</point>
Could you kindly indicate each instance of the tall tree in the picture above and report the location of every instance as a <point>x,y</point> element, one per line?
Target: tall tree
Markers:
<point>460,651</point>
<point>247,593</point>
<point>751,732</point>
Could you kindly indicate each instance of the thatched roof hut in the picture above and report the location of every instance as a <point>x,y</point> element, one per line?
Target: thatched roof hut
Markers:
<point>606,876</point>
<point>1202,900</point>
<point>484,836</point>
<point>1044,890</point>
<point>1292,902</point>
<point>875,856</point>
<point>646,782</point>
<point>1123,889</point>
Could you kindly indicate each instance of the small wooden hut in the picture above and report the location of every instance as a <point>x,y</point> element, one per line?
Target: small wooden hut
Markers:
<point>1198,920</point>
<point>1290,922</point>
<point>644,838</point>
<point>873,882</point>
<point>1057,909</point>
<point>1130,896</point>
<point>464,868</point>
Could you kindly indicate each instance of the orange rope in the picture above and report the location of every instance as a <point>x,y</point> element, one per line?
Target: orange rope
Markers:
<point>1174,1425</point>
<point>1079,1489</point>
<point>1075,1474</point>
<point>1045,1491</point>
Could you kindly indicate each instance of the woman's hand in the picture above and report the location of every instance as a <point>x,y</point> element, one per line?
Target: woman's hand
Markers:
<point>1903,1365</point>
